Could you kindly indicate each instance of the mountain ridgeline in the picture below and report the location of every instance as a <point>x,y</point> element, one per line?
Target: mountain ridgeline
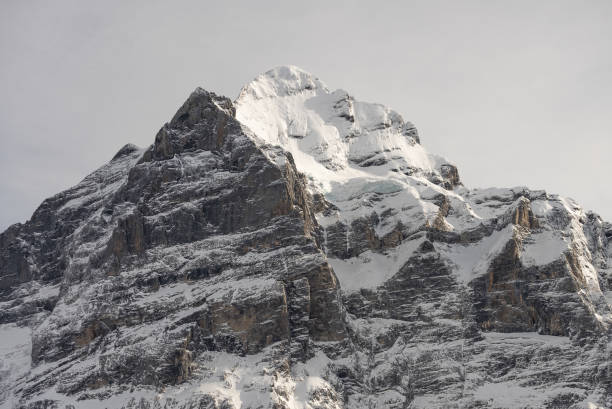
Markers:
<point>298,248</point>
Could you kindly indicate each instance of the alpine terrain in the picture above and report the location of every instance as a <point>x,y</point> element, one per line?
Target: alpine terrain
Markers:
<point>298,248</point>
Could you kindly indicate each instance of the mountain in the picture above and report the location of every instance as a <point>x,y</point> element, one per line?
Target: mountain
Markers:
<point>298,248</point>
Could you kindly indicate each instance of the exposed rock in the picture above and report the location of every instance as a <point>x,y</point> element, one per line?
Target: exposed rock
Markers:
<point>219,227</point>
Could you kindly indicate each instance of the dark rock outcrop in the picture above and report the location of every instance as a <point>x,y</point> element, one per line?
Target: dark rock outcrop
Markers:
<point>203,242</point>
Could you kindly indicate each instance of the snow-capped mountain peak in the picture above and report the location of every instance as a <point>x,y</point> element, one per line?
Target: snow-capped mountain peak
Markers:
<point>207,271</point>
<point>283,81</point>
<point>330,132</point>
<point>342,144</point>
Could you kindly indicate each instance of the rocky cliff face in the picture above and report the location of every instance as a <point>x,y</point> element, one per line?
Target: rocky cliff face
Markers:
<point>300,249</point>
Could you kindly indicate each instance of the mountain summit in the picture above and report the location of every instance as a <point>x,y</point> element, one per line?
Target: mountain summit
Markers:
<point>283,81</point>
<point>298,248</point>
<point>291,108</point>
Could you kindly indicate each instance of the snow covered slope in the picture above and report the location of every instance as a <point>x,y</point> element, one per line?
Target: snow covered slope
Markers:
<point>348,150</point>
<point>301,249</point>
<point>331,135</point>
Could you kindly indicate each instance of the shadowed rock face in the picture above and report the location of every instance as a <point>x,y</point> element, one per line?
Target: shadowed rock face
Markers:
<point>202,242</point>
<point>207,271</point>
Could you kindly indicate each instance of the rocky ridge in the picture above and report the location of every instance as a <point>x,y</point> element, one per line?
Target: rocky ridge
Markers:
<point>299,248</point>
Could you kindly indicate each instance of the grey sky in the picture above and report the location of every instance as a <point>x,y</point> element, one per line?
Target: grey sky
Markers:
<point>515,93</point>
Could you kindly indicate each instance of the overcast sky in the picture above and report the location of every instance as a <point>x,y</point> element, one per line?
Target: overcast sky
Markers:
<point>513,92</point>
